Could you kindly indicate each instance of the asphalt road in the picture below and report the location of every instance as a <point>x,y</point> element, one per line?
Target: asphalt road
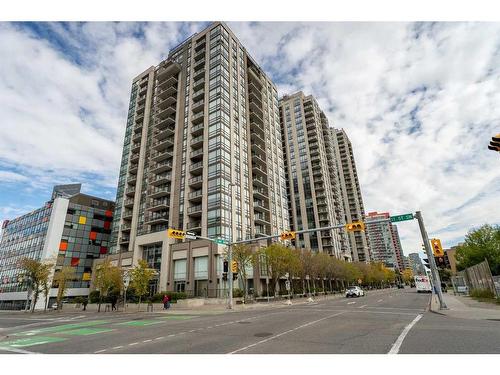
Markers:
<point>395,321</point>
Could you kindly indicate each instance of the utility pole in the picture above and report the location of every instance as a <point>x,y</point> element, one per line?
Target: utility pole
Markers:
<point>432,262</point>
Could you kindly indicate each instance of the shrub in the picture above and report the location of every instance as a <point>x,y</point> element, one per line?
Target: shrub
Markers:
<point>482,293</point>
<point>94,296</point>
<point>238,293</point>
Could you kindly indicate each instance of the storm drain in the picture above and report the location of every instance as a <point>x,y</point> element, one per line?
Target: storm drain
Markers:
<point>263,334</point>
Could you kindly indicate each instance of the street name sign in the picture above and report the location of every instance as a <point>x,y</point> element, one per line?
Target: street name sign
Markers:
<point>220,241</point>
<point>401,217</point>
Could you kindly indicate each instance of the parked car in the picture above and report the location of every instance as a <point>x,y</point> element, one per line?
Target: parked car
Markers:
<point>354,291</point>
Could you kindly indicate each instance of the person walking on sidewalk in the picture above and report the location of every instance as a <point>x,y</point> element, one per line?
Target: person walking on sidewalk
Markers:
<point>166,302</point>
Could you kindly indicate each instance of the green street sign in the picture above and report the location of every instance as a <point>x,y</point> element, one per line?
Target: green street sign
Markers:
<point>401,217</point>
<point>220,241</point>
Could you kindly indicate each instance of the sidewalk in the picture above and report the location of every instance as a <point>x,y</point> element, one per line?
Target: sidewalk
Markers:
<point>465,308</point>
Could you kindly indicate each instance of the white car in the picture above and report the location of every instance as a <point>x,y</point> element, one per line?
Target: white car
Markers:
<point>354,291</point>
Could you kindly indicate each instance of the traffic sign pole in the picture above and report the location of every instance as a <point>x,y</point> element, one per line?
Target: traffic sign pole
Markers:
<point>432,262</point>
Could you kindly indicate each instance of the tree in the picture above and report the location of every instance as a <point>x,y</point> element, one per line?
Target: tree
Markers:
<point>444,274</point>
<point>141,276</point>
<point>407,276</point>
<point>36,274</point>
<point>278,259</point>
<point>107,278</point>
<point>61,279</point>
<point>480,244</point>
<point>243,256</point>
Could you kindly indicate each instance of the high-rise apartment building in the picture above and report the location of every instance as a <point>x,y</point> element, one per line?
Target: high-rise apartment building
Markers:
<point>416,264</point>
<point>397,247</point>
<point>351,194</point>
<point>312,181</point>
<point>385,244</point>
<point>202,152</point>
<point>71,229</point>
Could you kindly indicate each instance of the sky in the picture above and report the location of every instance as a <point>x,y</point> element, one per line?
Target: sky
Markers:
<point>419,101</point>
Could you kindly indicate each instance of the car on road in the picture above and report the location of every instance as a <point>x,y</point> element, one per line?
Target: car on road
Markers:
<point>354,291</point>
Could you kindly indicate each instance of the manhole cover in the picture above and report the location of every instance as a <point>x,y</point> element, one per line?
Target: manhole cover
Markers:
<point>244,322</point>
<point>263,334</point>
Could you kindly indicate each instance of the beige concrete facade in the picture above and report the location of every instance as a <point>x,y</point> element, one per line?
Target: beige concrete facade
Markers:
<point>202,151</point>
<point>351,192</point>
<point>313,188</point>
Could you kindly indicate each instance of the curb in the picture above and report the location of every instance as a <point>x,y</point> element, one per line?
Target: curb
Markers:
<point>429,307</point>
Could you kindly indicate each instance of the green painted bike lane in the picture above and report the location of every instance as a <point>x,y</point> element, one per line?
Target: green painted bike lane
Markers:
<point>79,329</point>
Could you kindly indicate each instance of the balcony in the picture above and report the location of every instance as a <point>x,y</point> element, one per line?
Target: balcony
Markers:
<point>158,205</point>
<point>260,206</point>
<point>128,203</point>
<point>200,43</point>
<point>142,98</point>
<point>196,168</point>
<point>166,102</point>
<point>164,112</point>
<point>260,218</point>
<point>196,182</point>
<point>199,63</point>
<point>259,182</point>
<point>195,196</point>
<point>127,214</point>
<point>197,118</point>
<point>197,141</point>
<point>130,191</point>
<point>132,179</point>
<point>161,167</point>
<point>199,84</point>
<point>259,170</point>
<point>197,129</point>
<point>198,55</point>
<point>157,218</point>
<point>258,160</point>
<point>196,154</point>
<point>167,67</point>
<point>256,116</point>
<point>160,191</point>
<point>200,73</point>
<point>135,147</point>
<point>126,227</point>
<point>193,225</point>
<point>258,139</point>
<point>137,137</point>
<point>160,179</point>
<point>197,95</point>
<point>162,144</point>
<point>198,106</point>
<point>124,239</point>
<point>133,167</point>
<point>255,107</point>
<point>171,81</point>
<point>260,193</point>
<point>195,210</point>
<point>160,155</point>
<point>164,133</point>
<point>257,128</point>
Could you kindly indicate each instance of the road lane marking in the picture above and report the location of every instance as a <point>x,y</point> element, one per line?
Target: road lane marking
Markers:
<point>133,343</point>
<point>147,340</point>
<point>160,338</point>
<point>16,350</point>
<point>284,333</point>
<point>351,303</point>
<point>100,351</point>
<point>380,300</point>
<point>118,347</point>
<point>397,345</point>
<point>360,307</point>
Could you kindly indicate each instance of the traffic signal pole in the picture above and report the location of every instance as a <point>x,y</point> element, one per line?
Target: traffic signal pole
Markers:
<point>432,263</point>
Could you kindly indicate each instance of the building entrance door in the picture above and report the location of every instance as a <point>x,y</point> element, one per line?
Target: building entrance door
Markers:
<point>200,287</point>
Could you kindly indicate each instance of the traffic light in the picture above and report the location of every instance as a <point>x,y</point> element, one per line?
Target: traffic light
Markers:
<point>234,266</point>
<point>235,276</point>
<point>287,236</point>
<point>440,263</point>
<point>437,249</point>
<point>355,226</point>
<point>426,263</point>
<point>175,233</point>
<point>495,143</point>
<point>226,266</point>
<point>224,276</point>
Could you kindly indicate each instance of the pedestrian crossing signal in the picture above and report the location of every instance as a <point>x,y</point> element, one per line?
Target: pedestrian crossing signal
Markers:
<point>175,233</point>
<point>287,236</point>
<point>356,226</point>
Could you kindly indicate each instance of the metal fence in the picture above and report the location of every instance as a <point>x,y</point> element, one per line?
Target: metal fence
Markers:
<point>479,277</point>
